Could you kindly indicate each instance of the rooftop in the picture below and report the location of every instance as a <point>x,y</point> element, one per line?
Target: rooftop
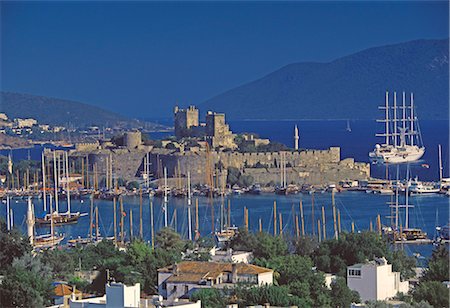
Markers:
<point>195,271</point>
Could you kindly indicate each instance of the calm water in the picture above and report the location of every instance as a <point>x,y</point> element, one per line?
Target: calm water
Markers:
<point>353,206</point>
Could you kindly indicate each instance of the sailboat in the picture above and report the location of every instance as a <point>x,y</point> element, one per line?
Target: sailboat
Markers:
<point>40,241</point>
<point>348,128</point>
<point>93,236</point>
<point>404,143</point>
<point>55,217</point>
<point>406,235</point>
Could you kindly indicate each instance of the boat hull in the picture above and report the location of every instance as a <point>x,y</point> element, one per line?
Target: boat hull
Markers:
<point>395,156</point>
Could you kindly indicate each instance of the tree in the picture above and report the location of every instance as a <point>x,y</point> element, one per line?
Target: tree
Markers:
<point>434,292</point>
<point>168,239</point>
<point>12,245</point>
<point>333,256</point>
<point>268,246</point>
<point>132,185</point>
<point>211,298</point>
<point>438,266</point>
<point>402,263</point>
<point>305,246</point>
<point>274,295</point>
<point>233,175</point>
<point>290,269</point>
<point>138,251</point>
<point>62,263</point>
<point>341,295</point>
<point>27,283</point>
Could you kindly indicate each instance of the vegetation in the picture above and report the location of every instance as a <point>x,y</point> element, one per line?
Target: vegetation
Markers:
<point>333,256</point>
<point>235,176</point>
<point>211,298</point>
<point>298,266</point>
<point>431,289</point>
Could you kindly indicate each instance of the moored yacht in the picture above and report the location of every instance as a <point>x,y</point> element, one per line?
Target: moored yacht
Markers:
<point>402,143</point>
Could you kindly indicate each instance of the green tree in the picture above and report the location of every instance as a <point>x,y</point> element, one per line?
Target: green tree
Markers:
<point>333,256</point>
<point>233,175</point>
<point>402,263</point>
<point>132,185</point>
<point>290,269</point>
<point>306,246</point>
<point>438,266</point>
<point>61,262</point>
<point>27,283</point>
<point>138,251</point>
<point>341,295</point>
<point>434,292</point>
<point>274,295</point>
<point>268,246</point>
<point>168,239</point>
<point>211,298</point>
<point>12,245</point>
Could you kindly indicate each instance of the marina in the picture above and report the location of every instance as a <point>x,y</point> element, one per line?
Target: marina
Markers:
<point>358,208</point>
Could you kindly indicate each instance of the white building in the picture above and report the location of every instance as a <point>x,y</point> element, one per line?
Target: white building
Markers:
<point>182,279</point>
<point>117,295</point>
<point>230,255</point>
<point>375,280</point>
<point>22,123</point>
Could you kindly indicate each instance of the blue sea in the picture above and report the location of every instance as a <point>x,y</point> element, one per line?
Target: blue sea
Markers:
<point>358,207</point>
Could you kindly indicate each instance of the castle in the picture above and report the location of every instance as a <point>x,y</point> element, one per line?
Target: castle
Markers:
<point>215,130</point>
<point>214,148</point>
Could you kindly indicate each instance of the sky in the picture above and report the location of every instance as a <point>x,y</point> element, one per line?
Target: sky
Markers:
<point>142,58</point>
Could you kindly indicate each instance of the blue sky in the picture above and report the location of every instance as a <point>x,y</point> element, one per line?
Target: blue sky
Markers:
<point>142,58</point>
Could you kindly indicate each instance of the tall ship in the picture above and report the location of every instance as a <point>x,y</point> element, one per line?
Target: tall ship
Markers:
<point>403,140</point>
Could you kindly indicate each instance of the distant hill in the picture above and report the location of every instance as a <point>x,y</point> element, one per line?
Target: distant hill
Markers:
<point>350,87</point>
<point>56,111</point>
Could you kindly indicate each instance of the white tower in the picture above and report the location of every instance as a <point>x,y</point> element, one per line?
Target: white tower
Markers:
<point>296,138</point>
<point>30,221</point>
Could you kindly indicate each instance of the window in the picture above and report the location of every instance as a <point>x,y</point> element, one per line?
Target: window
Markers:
<point>354,272</point>
<point>174,288</point>
<point>186,289</point>
<point>164,286</point>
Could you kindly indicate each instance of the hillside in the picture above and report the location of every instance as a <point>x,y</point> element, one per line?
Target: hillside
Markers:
<point>349,87</point>
<point>56,111</point>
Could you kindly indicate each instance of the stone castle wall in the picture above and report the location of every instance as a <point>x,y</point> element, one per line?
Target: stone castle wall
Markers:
<point>308,166</point>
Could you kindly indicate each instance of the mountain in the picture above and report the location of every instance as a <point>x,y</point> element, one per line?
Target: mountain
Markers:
<point>350,87</point>
<point>56,111</point>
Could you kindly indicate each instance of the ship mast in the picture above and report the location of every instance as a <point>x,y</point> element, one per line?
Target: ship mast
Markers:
<point>404,117</point>
<point>67,183</point>
<point>189,205</point>
<point>387,118</point>
<point>165,197</point>
<point>411,137</point>
<point>395,119</point>
<point>440,163</point>
<point>55,173</point>
<point>43,182</point>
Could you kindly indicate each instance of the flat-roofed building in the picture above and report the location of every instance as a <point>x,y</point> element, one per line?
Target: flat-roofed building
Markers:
<point>375,280</point>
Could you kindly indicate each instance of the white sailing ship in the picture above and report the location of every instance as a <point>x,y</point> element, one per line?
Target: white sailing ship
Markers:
<point>403,141</point>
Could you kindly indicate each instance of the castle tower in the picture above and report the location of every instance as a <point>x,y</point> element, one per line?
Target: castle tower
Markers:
<point>296,138</point>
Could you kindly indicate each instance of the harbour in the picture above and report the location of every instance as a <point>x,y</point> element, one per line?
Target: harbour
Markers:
<point>357,207</point>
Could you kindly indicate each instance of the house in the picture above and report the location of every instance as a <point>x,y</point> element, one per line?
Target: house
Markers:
<point>375,280</point>
<point>117,295</point>
<point>63,292</point>
<point>229,255</point>
<point>182,279</point>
